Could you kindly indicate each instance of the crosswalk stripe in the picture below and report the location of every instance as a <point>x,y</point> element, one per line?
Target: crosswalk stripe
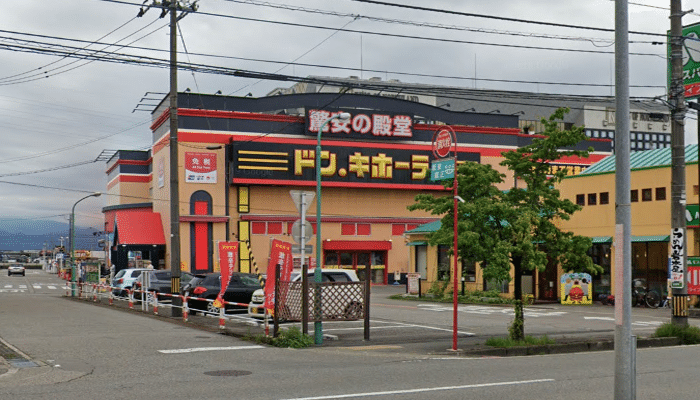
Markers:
<point>51,287</point>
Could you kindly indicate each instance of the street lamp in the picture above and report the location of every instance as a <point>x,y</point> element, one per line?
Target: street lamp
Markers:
<point>72,240</point>
<point>343,116</point>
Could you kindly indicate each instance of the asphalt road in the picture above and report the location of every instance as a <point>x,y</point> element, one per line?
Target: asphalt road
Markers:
<point>80,350</point>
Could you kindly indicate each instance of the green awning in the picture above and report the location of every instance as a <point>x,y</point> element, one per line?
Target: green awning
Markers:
<point>602,239</point>
<point>419,243</point>
<point>652,238</point>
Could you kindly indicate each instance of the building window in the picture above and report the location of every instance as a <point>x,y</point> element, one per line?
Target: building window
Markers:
<point>469,271</point>
<point>634,196</point>
<point>399,229</point>
<point>581,199</point>
<point>266,228</point>
<point>604,198</point>
<point>443,269</point>
<point>660,193</point>
<point>592,199</point>
<point>646,194</point>
<point>354,229</point>
<point>633,136</point>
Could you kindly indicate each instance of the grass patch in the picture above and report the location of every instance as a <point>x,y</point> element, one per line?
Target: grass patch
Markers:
<point>292,337</point>
<point>528,341</point>
<point>687,334</point>
<point>474,297</point>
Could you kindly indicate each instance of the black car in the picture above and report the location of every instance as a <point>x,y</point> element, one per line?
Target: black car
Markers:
<point>240,290</point>
<point>160,281</point>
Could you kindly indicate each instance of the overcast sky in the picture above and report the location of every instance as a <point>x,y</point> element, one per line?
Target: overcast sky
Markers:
<point>58,112</point>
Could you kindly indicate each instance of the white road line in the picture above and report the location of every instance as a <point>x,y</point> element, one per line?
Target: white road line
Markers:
<point>36,286</point>
<point>435,328</point>
<point>8,286</point>
<point>22,286</point>
<point>196,349</point>
<point>51,287</point>
<point>422,390</point>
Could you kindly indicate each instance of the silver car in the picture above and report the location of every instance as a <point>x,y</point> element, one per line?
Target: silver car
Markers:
<point>15,269</point>
<point>124,280</point>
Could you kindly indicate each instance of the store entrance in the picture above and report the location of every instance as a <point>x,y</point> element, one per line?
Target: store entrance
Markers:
<point>363,262</point>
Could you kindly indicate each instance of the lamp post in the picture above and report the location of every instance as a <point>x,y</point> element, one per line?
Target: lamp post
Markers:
<point>318,326</point>
<point>72,240</point>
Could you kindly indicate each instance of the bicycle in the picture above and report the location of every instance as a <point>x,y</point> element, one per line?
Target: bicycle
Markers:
<point>640,295</point>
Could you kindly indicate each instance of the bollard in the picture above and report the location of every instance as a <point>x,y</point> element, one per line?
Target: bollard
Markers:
<point>184,309</point>
<point>155,303</point>
<point>94,292</point>
<point>222,319</point>
<point>131,298</point>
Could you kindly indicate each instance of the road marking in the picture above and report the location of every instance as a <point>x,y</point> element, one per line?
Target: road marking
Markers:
<point>51,287</point>
<point>423,390</point>
<point>22,286</point>
<point>197,349</point>
<point>601,318</point>
<point>487,310</point>
<point>8,286</point>
<point>37,286</point>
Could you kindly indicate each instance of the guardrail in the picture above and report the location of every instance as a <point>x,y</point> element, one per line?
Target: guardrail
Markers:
<point>98,291</point>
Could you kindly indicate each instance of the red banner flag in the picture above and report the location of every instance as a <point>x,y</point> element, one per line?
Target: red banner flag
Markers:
<point>280,253</point>
<point>227,260</point>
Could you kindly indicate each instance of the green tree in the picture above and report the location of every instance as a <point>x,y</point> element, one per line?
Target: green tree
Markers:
<point>515,228</point>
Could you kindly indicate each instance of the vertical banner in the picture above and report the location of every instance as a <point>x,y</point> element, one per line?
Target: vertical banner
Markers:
<point>677,240</point>
<point>280,253</point>
<point>227,261</point>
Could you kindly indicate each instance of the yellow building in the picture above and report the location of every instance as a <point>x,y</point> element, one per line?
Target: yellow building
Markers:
<point>594,190</point>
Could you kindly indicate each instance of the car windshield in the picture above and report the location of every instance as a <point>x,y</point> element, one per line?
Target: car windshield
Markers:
<point>250,280</point>
<point>120,274</point>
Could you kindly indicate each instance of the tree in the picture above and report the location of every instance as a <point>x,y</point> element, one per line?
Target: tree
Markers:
<point>515,229</point>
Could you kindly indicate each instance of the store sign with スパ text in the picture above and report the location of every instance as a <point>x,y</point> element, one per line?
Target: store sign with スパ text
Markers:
<point>368,125</point>
<point>356,165</point>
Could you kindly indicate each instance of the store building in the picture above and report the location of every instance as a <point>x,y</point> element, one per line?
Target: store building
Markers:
<point>650,185</point>
<point>239,158</point>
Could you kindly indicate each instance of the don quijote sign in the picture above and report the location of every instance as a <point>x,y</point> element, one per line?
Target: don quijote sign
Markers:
<point>361,125</point>
<point>443,140</point>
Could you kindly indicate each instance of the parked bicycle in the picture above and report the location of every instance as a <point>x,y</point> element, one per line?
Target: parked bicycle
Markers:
<point>641,295</point>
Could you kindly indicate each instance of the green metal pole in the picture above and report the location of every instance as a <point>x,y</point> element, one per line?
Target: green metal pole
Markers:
<point>318,325</point>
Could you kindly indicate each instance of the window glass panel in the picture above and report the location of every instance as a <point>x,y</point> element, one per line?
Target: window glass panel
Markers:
<point>634,195</point>
<point>274,228</point>
<point>364,229</point>
<point>592,199</point>
<point>661,193</point>
<point>347,229</point>
<point>258,228</point>
<point>646,194</point>
<point>581,199</point>
<point>604,198</point>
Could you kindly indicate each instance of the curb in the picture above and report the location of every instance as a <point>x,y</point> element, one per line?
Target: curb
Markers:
<point>562,348</point>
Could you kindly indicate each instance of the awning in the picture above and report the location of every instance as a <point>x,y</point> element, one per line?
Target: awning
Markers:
<point>419,243</point>
<point>366,245</point>
<point>652,238</point>
<point>139,228</point>
<point>602,239</point>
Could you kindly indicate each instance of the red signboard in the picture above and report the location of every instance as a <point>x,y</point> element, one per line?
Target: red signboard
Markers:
<point>200,167</point>
<point>227,260</point>
<point>442,142</point>
<point>693,280</point>
<point>280,254</point>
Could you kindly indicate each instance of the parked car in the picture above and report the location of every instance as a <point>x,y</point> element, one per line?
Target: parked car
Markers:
<point>351,309</point>
<point>15,269</point>
<point>207,286</point>
<point>159,281</point>
<point>124,280</point>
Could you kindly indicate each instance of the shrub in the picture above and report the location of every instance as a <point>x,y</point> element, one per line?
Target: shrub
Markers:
<point>527,341</point>
<point>292,337</point>
<point>687,334</point>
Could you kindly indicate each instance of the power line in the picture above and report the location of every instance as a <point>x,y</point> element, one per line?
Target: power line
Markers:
<point>70,50</point>
<point>524,21</point>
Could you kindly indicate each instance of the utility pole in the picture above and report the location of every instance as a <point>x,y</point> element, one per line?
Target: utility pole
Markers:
<point>172,7</point>
<point>625,346</point>
<point>676,97</point>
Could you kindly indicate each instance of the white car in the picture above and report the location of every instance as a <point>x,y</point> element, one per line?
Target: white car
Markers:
<point>15,269</point>
<point>124,279</point>
<point>346,309</point>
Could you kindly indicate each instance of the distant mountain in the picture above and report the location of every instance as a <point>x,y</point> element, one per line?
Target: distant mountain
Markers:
<point>30,235</point>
